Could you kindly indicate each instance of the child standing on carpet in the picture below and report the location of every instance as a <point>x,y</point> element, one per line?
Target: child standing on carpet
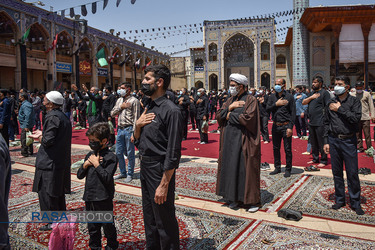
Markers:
<point>99,167</point>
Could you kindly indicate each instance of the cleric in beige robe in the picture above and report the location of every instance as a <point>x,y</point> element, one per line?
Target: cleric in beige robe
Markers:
<point>238,179</point>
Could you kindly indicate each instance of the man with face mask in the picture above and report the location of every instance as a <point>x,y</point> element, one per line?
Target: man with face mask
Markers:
<point>52,174</point>
<point>368,113</point>
<point>94,107</point>
<point>183,103</point>
<point>317,103</point>
<point>128,110</point>
<point>283,108</point>
<point>238,179</point>
<point>202,113</point>
<point>158,137</point>
<point>109,101</point>
<point>342,116</point>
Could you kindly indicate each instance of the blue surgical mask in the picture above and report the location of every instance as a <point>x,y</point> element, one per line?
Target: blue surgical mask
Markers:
<point>278,88</point>
<point>339,90</point>
<point>121,92</point>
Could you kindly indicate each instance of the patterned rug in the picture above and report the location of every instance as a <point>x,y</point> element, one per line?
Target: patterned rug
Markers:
<point>268,235</point>
<point>198,180</point>
<point>316,195</point>
<point>198,229</point>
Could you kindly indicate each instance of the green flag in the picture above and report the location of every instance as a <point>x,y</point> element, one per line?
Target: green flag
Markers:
<point>101,57</point>
<point>24,37</point>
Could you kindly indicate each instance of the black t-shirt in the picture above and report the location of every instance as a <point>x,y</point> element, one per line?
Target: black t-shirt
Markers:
<point>316,108</point>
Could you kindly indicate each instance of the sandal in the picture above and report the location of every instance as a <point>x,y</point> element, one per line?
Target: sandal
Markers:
<point>311,168</point>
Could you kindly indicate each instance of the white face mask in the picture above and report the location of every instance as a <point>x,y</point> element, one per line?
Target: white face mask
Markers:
<point>122,92</point>
<point>180,92</point>
<point>339,90</point>
<point>233,90</point>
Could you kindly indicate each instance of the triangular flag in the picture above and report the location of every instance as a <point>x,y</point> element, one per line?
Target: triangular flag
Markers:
<point>83,10</point>
<point>113,56</point>
<point>118,3</point>
<point>24,37</point>
<point>105,4</point>
<point>93,8</point>
<point>101,57</point>
<point>133,1</point>
<point>71,12</point>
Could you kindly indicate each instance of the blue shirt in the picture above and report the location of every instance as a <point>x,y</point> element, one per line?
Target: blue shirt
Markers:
<point>299,107</point>
<point>26,115</point>
<point>4,111</point>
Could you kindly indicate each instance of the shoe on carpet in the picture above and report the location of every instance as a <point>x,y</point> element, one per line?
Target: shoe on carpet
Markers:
<point>253,209</point>
<point>265,166</point>
<point>306,153</point>
<point>276,171</point>
<point>199,142</point>
<point>289,214</point>
<point>364,171</point>
<point>359,211</point>
<point>233,205</point>
<point>337,206</point>
<point>128,179</point>
<point>203,142</point>
<point>311,168</point>
<point>287,174</point>
<point>266,142</point>
<point>120,176</point>
<point>46,227</point>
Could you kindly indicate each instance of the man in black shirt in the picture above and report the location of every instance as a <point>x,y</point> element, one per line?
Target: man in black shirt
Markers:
<point>183,103</point>
<point>317,103</point>
<point>158,137</point>
<point>342,116</point>
<point>202,113</point>
<point>94,108</point>
<point>283,108</point>
<point>264,115</point>
<point>109,101</point>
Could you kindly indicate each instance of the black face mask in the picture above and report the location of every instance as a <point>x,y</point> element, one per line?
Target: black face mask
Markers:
<point>146,89</point>
<point>95,145</point>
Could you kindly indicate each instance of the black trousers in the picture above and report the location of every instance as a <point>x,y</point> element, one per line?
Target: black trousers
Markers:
<point>82,118</point>
<point>213,112</point>
<point>160,221</point>
<point>278,134</point>
<point>48,202</point>
<point>193,120</point>
<point>5,133</point>
<point>316,139</point>
<point>25,150</point>
<point>203,136</point>
<point>345,151</point>
<point>300,126</point>
<point>95,228</point>
<point>185,123</point>
<point>264,128</point>
<point>94,119</point>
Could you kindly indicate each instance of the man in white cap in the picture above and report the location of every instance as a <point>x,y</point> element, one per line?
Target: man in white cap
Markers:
<point>52,174</point>
<point>238,179</point>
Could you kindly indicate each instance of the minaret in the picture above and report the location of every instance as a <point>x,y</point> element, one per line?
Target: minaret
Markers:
<point>301,51</point>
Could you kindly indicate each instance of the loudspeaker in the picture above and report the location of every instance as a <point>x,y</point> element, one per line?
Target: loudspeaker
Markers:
<point>49,77</point>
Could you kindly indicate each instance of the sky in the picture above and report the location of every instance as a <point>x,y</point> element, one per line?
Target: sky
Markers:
<point>147,14</point>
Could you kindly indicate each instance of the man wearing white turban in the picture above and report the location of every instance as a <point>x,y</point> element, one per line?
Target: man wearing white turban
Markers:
<point>238,179</point>
<point>52,174</point>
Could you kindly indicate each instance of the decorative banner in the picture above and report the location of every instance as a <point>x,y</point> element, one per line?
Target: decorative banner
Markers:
<point>63,67</point>
<point>85,68</point>
<point>102,72</point>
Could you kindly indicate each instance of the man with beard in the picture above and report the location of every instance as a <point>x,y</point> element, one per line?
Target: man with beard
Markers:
<point>94,108</point>
<point>158,137</point>
<point>239,165</point>
<point>317,103</point>
<point>343,113</point>
<point>283,109</point>
<point>183,103</point>
<point>52,175</point>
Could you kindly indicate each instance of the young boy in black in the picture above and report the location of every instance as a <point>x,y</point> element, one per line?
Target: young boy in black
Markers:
<point>99,167</point>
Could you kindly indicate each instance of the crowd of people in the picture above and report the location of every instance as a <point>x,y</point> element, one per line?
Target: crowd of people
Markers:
<point>155,120</point>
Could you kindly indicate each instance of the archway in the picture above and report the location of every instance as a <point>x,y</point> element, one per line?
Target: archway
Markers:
<point>266,80</point>
<point>239,58</point>
<point>213,82</point>
<point>199,85</point>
